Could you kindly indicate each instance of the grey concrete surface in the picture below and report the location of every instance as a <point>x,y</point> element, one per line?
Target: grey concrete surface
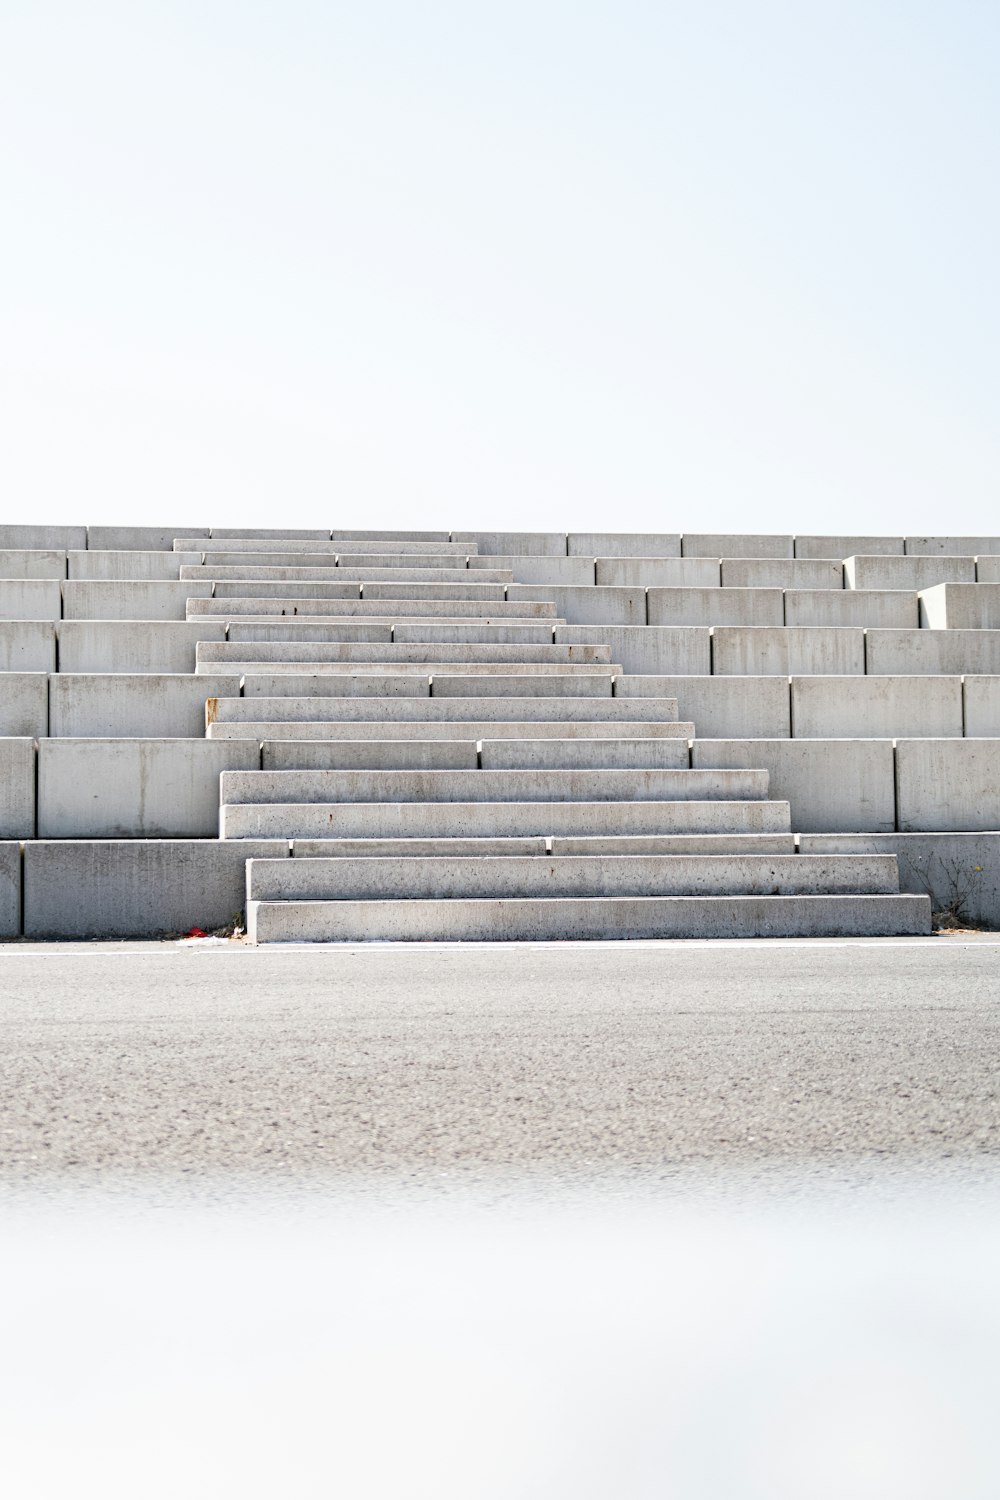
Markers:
<point>17,788</point>
<point>876,707</point>
<point>833,785</point>
<point>701,544</point>
<point>288,1064</point>
<point>28,646</point>
<point>723,707</point>
<point>947,786</point>
<point>959,871</point>
<point>961,606</point>
<point>932,651</point>
<point>24,703</point>
<point>781,650</point>
<point>847,546</point>
<point>10,889</point>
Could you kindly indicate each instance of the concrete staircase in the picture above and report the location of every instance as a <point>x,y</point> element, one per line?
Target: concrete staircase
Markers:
<point>445,768</point>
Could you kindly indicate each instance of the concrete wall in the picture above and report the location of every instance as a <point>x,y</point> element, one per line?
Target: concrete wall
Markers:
<point>586,606</point>
<point>847,546</point>
<point>782,573</point>
<point>781,650</point>
<point>32,563</point>
<point>700,544</point>
<point>139,538</point>
<point>47,538</point>
<point>907,572</point>
<point>954,546</point>
<point>152,706</point>
<point>623,544</point>
<point>659,572</point>
<point>137,647</point>
<point>713,606</point>
<point>721,707</point>
<point>875,707</point>
<point>100,788</point>
<point>988,569</point>
<point>136,889</point>
<point>10,890</point>
<point>648,649</point>
<point>894,652</point>
<point>982,707</point>
<point>17,788</point>
<point>833,786</point>
<point>129,564</point>
<point>27,646</point>
<point>30,599</point>
<point>947,785</point>
<point>569,570</point>
<point>523,543</point>
<point>119,599</point>
<point>874,608</point>
<point>959,871</point>
<point>24,704</point>
<point>961,606</point>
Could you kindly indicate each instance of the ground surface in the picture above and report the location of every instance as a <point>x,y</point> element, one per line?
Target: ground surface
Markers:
<point>649,1058</point>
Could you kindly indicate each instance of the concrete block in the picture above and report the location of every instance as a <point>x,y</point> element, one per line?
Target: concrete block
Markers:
<point>715,607</point>
<point>520,543</point>
<point>27,646</point>
<point>443,561</point>
<point>252,572</point>
<point>273,533</point>
<point>947,785</point>
<point>659,572</point>
<point>678,843</point>
<point>469,634</point>
<point>875,707</point>
<point>898,652</point>
<point>485,610</point>
<point>133,646</point>
<point>311,684</point>
<point>328,787</point>
<point>907,572</point>
<point>988,569</point>
<point>847,546</point>
<point>582,683</point>
<point>130,706</point>
<point>782,573</point>
<point>743,651</point>
<point>567,876</point>
<point>833,786</point>
<point>648,649</point>
<point>464,729</point>
<point>585,605</point>
<point>130,565</point>
<point>578,571</point>
<point>142,538</point>
<point>318,563</point>
<point>960,872</point>
<point>961,606</point>
<point>45,538</point>
<point>493,671</point>
<point>576,753</point>
<point>981,697</point>
<point>415,848</point>
<point>623,544</point>
<point>271,546</point>
<point>877,608</point>
<point>720,707</point>
<point>699,544</point>
<point>101,788</point>
<point>17,788</point>
<point>384,538</point>
<point>373,754</point>
<point>30,599</point>
<point>24,704</point>
<point>101,888</point>
<point>395,710</point>
<point>500,819</point>
<point>248,588</point>
<point>119,599</point>
<point>595,919</point>
<point>953,546</point>
<point>10,890</point>
<point>360,632</point>
<point>486,592</point>
<point>399,653</point>
<point>32,564</point>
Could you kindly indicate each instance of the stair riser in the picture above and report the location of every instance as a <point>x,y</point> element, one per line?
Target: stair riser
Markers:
<point>614,787</point>
<point>474,730</point>
<point>601,920</point>
<point>331,707</point>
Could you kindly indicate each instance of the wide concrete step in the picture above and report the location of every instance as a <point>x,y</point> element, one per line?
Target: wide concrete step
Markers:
<point>426,583</point>
<point>402,820</point>
<point>596,918</point>
<point>381,679</point>
<point>332,707</point>
<point>676,843</point>
<point>492,786</point>
<point>384,754</point>
<point>402,651</point>
<point>495,730</point>
<point>403,609</point>
<point>442,878</point>
<point>249,664</point>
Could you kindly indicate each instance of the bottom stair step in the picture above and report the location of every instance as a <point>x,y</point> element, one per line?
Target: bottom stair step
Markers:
<point>591,919</point>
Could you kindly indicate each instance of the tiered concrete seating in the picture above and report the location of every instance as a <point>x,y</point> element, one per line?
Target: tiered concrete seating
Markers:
<point>545,734</point>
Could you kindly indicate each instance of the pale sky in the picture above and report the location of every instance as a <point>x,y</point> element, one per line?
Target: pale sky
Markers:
<point>612,265</point>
